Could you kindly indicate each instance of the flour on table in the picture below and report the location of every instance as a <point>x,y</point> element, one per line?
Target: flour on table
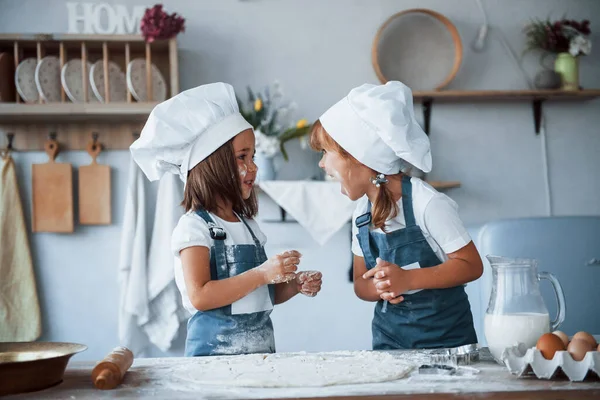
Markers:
<point>296,369</point>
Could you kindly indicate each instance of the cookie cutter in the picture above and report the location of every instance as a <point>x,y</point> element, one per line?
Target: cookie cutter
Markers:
<point>437,369</point>
<point>462,355</point>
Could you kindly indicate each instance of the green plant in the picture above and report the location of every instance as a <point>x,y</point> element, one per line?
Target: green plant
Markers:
<point>559,36</point>
<point>270,118</point>
<point>293,133</point>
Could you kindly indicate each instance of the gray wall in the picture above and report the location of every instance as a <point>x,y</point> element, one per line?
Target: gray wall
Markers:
<point>318,50</point>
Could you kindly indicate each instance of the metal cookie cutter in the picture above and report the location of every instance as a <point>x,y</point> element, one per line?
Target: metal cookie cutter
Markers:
<point>437,370</point>
<point>463,355</point>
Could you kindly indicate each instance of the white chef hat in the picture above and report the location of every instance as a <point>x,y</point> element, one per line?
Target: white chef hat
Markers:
<point>187,128</point>
<point>376,124</point>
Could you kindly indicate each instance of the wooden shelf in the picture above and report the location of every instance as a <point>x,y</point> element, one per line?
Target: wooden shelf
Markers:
<point>51,41</point>
<point>506,95</point>
<point>536,97</point>
<point>73,124</point>
<point>440,185</point>
<point>70,112</point>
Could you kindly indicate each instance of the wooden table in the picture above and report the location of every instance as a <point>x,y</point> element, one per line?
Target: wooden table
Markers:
<point>153,377</point>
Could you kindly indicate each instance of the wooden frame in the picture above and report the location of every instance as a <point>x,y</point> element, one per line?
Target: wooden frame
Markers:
<point>458,48</point>
<point>116,123</point>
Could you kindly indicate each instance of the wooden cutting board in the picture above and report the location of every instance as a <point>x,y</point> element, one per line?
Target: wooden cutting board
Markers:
<point>94,190</point>
<point>52,188</point>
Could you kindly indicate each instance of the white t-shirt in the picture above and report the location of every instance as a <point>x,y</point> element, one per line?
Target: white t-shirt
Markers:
<point>192,230</point>
<point>435,213</point>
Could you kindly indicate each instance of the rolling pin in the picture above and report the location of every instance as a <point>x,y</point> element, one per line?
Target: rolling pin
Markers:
<point>109,372</point>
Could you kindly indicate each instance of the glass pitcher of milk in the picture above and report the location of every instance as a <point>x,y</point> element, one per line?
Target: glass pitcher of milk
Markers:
<point>516,312</point>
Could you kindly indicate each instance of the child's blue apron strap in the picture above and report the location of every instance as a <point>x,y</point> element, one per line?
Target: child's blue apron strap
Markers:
<point>254,238</point>
<point>218,236</point>
<point>407,203</point>
<point>257,245</point>
<point>363,222</point>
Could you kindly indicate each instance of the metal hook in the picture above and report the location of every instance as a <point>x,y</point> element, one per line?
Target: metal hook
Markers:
<point>52,136</point>
<point>95,140</point>
<point>10,137</point>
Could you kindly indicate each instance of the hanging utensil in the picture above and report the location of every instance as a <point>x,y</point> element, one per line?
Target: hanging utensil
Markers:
<point>52,188</point>
<point>94,189</point>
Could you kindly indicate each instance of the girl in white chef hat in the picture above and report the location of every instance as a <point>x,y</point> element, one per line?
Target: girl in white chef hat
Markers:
<point>226,281</point>
<point>412,254</point>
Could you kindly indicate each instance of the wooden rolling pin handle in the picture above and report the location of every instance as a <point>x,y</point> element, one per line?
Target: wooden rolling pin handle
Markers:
<point>109,373</point>
<point>105,379</point>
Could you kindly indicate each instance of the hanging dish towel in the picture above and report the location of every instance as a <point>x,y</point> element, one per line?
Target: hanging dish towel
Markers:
<point>165,312</point>
<point>133,308</point>
<point>20,319</point>
<point>318,206</point>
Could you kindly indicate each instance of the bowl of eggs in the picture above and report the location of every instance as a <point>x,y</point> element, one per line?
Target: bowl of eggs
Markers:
<point>555,355</point>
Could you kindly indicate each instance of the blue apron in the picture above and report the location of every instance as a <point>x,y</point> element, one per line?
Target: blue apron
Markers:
<point>427,319</point>
<point>218,331</point>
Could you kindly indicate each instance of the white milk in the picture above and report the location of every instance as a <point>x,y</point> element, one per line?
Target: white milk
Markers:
<point>506,330</point>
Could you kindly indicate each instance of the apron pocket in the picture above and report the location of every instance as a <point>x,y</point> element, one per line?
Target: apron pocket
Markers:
<point>408,267</point>
<point>424,300</point>
<point>256,301</point>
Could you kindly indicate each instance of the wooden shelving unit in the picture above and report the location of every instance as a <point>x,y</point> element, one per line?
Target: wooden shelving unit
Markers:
<point>73,112</point>
<point>536,97</point>
<point>73,124</point>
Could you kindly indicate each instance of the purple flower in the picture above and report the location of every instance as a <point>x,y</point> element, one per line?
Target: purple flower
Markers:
<point>157,24</point>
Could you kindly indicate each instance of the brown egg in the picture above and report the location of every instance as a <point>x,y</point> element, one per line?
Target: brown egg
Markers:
<point>578,348</point>
<point>585,336</point>
<point>563,336</point>
<point>548,344</point>
<point>599,347</point>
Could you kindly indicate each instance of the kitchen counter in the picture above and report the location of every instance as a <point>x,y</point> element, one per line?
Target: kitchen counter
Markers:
<point>156,377</point>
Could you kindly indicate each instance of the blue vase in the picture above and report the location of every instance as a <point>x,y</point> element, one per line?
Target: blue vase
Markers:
<point>266,167</point>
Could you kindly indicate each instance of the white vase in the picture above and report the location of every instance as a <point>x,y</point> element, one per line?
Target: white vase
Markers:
<point>266,167</point>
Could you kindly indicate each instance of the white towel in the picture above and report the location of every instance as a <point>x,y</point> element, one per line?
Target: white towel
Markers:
<point>133,283</point>
<point>318,206</point>
<point>165,309</point>
<point>20,319</point>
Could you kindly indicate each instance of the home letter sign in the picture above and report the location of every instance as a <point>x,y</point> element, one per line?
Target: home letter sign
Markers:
<point>103,18</point>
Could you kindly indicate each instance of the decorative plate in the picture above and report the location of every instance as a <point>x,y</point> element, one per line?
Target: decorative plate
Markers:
<point>25,80</point>
<point>136,81</point>
<point>71,78</point>
<point>117,84</point>
<point>47,79</point>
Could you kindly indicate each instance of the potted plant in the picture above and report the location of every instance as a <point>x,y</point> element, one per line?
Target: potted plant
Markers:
<point>271,119</point>
<point>568,39</point>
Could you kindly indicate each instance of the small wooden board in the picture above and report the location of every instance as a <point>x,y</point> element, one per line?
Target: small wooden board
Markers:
<point>52,188</point>
<point>94,190</point>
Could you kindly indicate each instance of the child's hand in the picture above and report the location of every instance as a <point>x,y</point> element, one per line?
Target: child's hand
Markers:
<point>281,268</point>
<point>309,282</point>
<point>390,281</point>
